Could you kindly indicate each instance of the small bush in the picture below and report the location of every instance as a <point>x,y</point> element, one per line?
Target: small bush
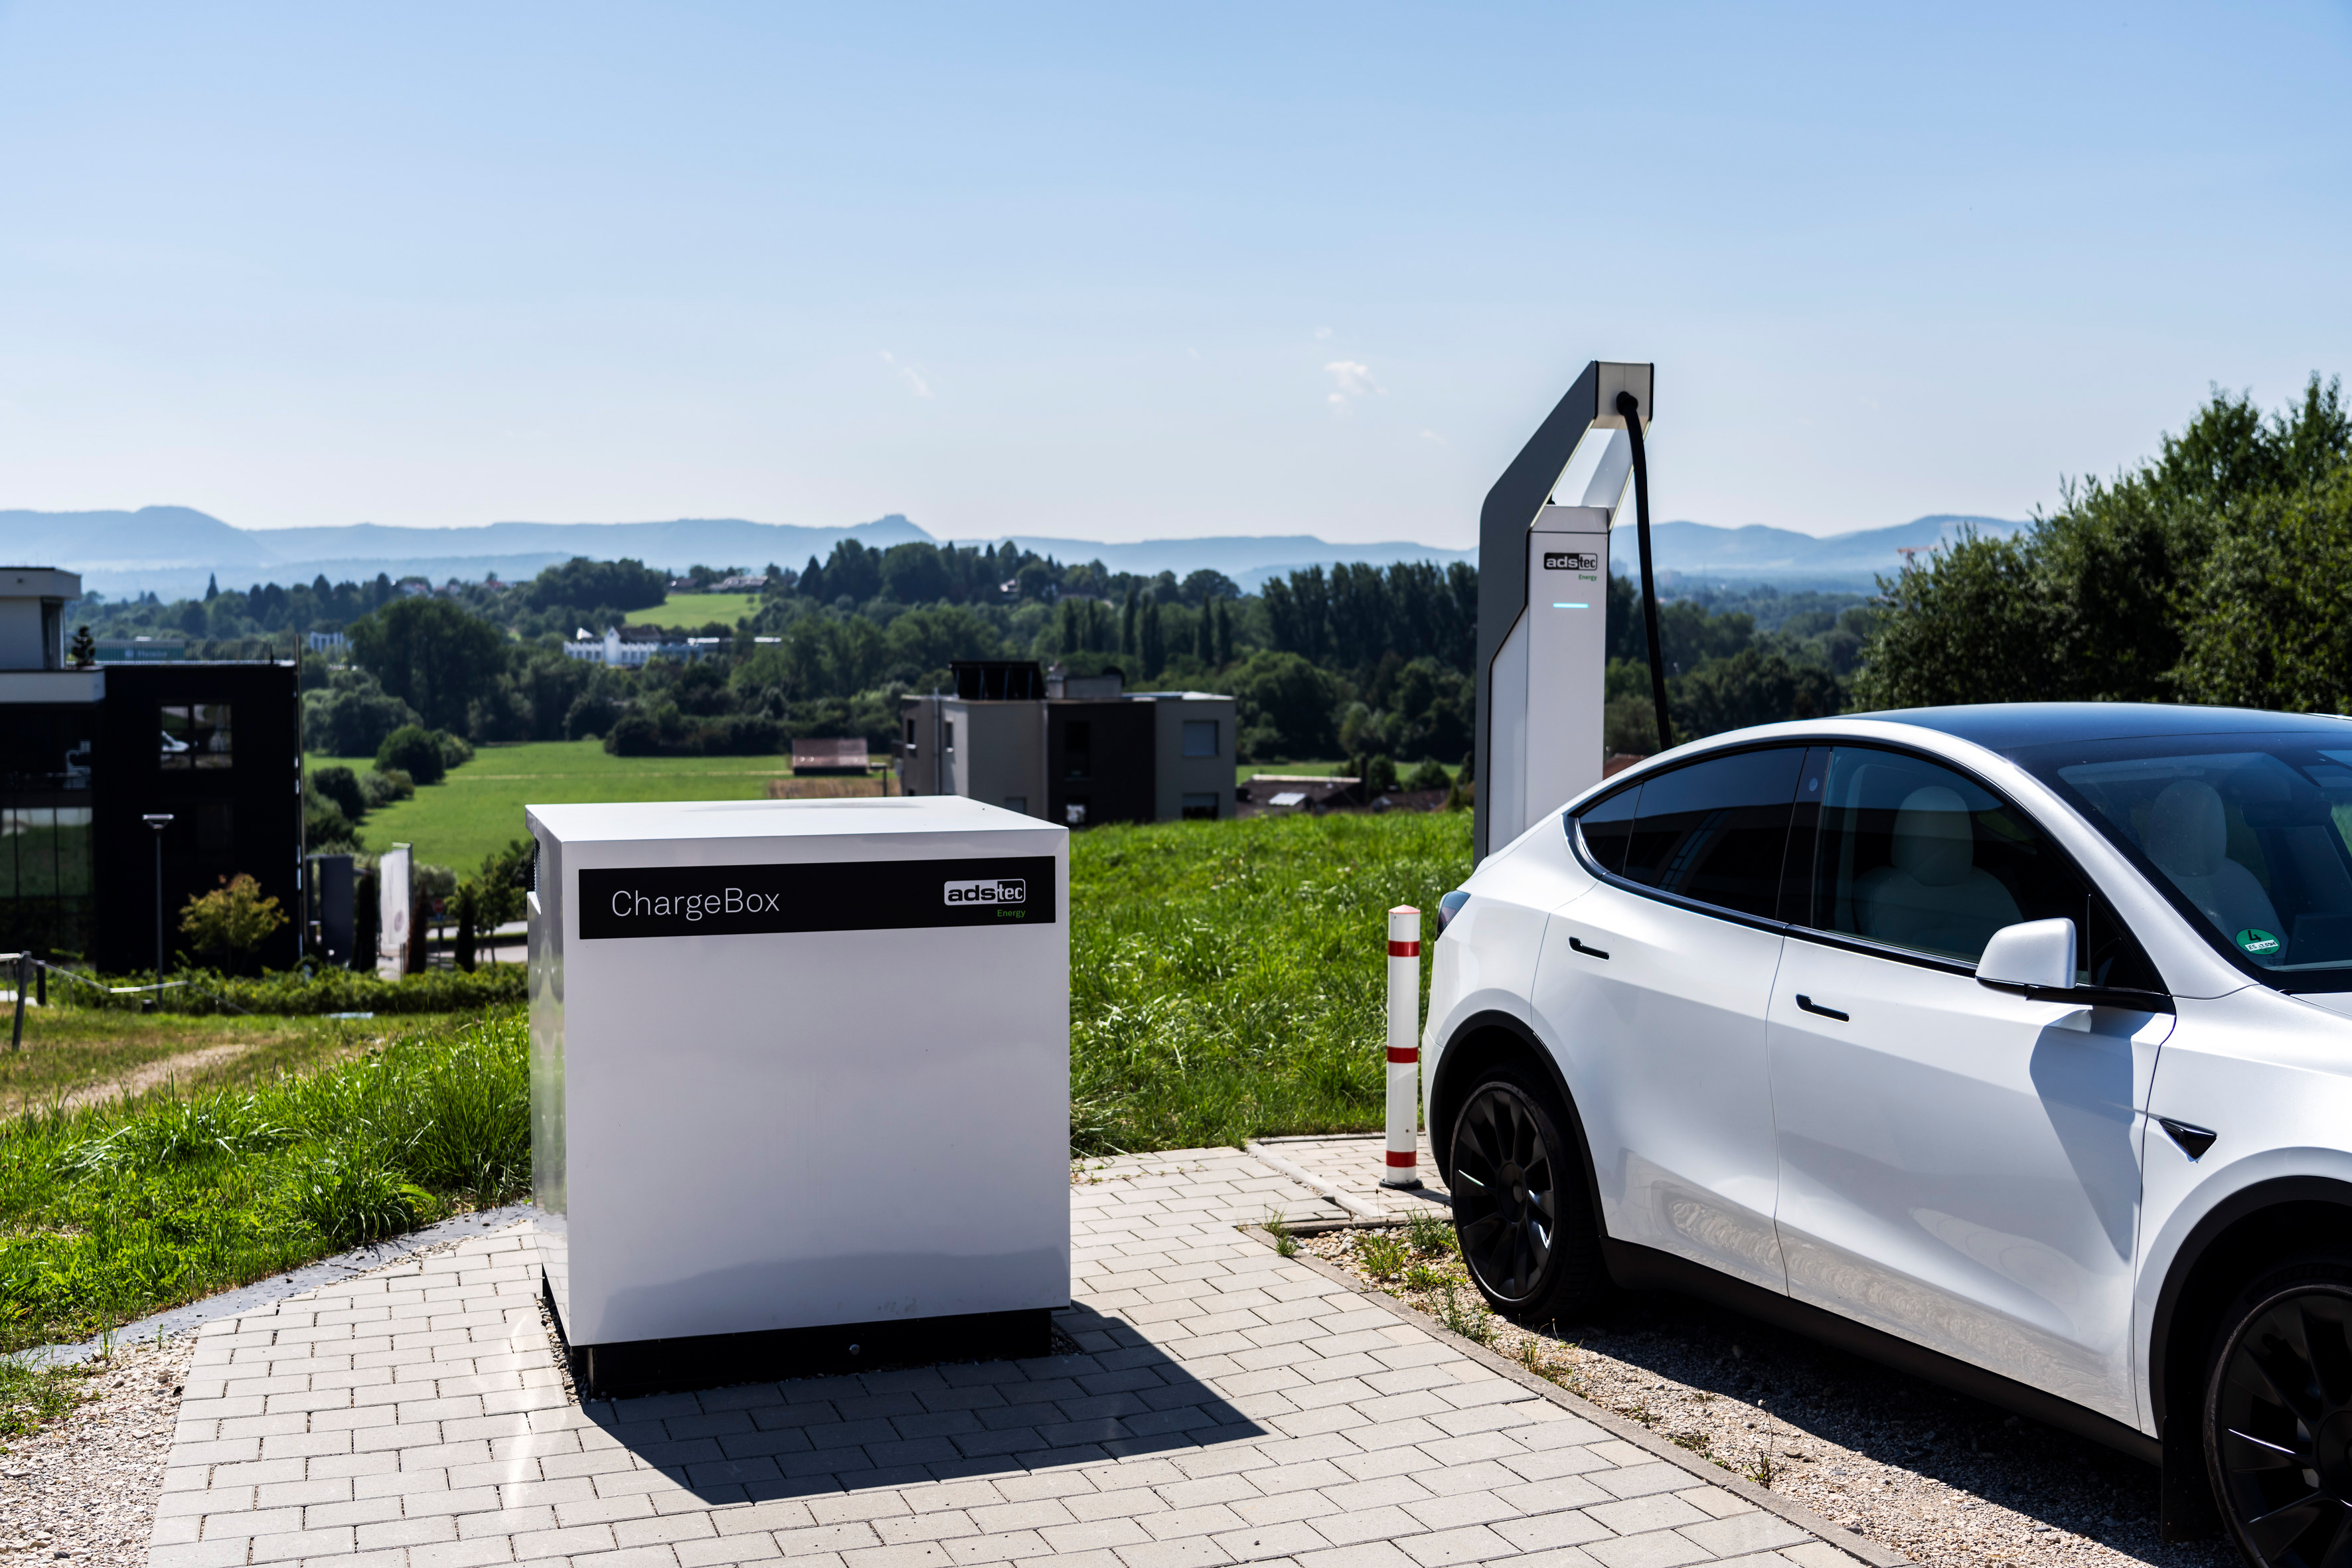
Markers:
<point>326,829</point>
<point>1429,775</point>
<point>455,750</point>
<point>413,750</point>
<point>381,788</point>
<point>340,786</point>
<point>232,920</point>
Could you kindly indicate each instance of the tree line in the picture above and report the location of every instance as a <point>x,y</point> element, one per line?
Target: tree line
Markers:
<point>2217,571</point>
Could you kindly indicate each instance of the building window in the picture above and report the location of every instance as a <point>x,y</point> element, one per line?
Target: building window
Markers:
<point>1199,737</point>
<point>910,736</point>
<point>1200,807</point>
<point>45,884</point>
<point>1019,802</point>
<point>196,735</point>
<point>1074,814</point>
<point>949,743</point>
<point>1078,749</point>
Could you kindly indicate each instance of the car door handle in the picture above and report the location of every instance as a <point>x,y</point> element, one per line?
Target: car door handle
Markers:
<point>1808,1005</point>
<point>1588,951</point>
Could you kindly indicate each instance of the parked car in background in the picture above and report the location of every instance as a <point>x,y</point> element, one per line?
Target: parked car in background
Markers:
<point>2009,1045</point>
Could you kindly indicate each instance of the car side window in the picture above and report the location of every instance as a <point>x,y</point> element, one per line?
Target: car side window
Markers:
<point>1715,831</point>
<point>1912,854</point>
<point>1606,825</point>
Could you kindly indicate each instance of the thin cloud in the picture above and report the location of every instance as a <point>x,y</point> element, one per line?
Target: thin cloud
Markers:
<point>1322,333</point>
<point>1433,436</point>
<point>909,374</point>
<point>1350,379</point>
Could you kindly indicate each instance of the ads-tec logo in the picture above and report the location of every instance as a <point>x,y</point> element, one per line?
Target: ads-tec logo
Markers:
<point>996,890</point>
<point>1570,561</point>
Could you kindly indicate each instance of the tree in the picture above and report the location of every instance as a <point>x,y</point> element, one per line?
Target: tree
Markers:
<point>1285,706</point>
<point>232,920</point>
<point>84,652</point>
<point>340,786</point>
<point>351,716</point>
<point>1203,585</point>
<point>582,584</point>
<point>415,751</point>
<point>2272,628</point>
<point>2121,595</point>
<point>432,655</point>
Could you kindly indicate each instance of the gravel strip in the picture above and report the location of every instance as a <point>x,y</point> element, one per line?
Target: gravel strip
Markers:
<point>83,1488</point>
<point>1936,1475</point>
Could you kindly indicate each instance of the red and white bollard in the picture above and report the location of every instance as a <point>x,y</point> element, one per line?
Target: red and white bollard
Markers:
<point>1404,1047</point>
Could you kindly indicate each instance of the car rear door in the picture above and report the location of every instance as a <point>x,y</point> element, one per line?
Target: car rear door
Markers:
<point>1654,987</point>
<point>1958,1165</point>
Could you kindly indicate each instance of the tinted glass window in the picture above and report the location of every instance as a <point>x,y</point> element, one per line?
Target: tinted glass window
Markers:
<point>1715,830</point>
<point>1917,856</point>
<point>1606,825</point>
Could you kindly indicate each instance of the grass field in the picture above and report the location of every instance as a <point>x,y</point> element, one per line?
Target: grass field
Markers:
<point>693,610</point>
<point>479,807</point>
<point>1226,980</point>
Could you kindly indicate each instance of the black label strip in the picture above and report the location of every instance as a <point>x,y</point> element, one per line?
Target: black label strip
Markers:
<point>851,895</point>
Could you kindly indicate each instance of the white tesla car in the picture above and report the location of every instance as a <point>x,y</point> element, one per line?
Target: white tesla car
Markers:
<point>2009,1045</point>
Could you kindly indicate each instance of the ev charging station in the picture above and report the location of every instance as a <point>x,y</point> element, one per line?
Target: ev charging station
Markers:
<point>1543,601</point>
<point>800,1085</point>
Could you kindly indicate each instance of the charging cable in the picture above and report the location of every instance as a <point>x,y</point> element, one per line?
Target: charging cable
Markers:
<point>1630,408</point>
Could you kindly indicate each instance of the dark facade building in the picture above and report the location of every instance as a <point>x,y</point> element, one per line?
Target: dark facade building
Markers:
<point>85,754</point>
<point>1077,751</point>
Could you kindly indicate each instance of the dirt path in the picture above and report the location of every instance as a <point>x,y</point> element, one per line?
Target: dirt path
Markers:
<point>140,1080</point>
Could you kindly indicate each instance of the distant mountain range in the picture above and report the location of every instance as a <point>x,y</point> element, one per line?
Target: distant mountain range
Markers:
<point>173,550</point>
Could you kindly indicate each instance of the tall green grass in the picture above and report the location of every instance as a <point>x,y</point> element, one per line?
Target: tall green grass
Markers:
<point>1229,979</point>
<point>113,1212</point>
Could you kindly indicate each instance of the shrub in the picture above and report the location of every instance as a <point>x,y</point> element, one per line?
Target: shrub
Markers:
<point>352,718</point>
<point>1379,774</point>
<point>325,828</point>
<point>1429,775</point>
<point>455,750</point>
<point>413,750</point>
<point>233,918</point>
<point>379,787</point>
<point>340,786</point>
<point>634,735</point>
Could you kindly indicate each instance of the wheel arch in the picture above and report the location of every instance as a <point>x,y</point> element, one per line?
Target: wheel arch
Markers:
<point>1487,1040</point>
<point>2245,1228</point>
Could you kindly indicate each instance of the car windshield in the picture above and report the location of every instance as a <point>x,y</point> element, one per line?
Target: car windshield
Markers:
<point>2247,834</point>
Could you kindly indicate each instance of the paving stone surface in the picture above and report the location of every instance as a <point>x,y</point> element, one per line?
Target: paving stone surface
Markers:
<point>1348,1170</point>
<point>1226,1405</point>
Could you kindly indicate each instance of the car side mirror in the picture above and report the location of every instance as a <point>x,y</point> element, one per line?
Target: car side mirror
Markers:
<point>2038,954</point>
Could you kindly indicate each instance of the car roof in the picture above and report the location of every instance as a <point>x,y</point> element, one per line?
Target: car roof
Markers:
<point>2010,727</point>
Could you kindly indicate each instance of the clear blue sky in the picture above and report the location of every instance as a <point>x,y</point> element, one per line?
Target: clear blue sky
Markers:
<point>1125,272</point>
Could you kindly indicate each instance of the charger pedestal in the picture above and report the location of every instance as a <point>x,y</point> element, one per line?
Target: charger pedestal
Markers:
<point>800,1085</point>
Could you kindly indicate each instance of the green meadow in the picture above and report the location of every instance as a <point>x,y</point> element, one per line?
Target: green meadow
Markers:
<point>479,806</point>
<point>1226,982</point>
<point>694,610</point>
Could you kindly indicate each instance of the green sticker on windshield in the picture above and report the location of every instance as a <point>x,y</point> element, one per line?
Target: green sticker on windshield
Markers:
<point>2257,942</point>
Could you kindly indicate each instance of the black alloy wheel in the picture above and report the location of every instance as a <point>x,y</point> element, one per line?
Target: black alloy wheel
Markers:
<point>1519,1204</point>
<point>2278,1419</point>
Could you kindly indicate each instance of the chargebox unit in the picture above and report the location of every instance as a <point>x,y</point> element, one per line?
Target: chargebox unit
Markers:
<point>800,1085</point>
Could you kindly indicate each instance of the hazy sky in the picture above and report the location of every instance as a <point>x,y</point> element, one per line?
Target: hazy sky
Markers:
<point>1135,271</point>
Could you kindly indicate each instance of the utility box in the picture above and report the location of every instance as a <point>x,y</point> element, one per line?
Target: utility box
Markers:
<point>800,1085</point>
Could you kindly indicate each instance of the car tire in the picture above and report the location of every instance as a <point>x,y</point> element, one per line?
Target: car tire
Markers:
<point>2278,1414</point>
<point>1522,1210</point>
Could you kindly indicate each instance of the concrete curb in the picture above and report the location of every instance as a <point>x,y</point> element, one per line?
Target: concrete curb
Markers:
<point>1257,1151</point>
<point>1632,1432</point>
<point>277,1287</point>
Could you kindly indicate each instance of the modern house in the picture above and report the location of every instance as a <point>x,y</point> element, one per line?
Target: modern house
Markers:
<point>1071,749</point>
<point>88,754</point>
